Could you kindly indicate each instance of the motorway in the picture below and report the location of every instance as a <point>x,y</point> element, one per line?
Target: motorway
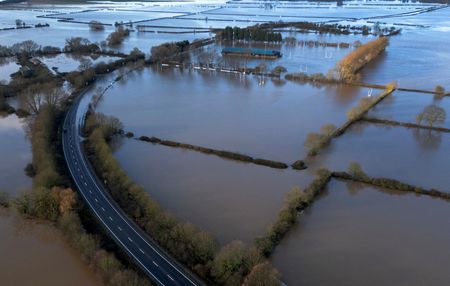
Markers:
<point>158,265</point>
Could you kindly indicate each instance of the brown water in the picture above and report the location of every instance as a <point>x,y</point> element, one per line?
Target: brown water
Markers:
<point>35,254</point>
<point>357,235</point>
<point>227,111</point>
<point>229,199</point>
<point>15,154</point>
<point>417,157</point>
<point>405,106</point>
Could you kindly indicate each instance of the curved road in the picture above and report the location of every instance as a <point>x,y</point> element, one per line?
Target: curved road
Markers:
<point>158,265</point>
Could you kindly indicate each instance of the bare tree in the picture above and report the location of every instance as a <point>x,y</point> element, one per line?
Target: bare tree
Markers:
<point>431,115</point>
<point>36,96</point>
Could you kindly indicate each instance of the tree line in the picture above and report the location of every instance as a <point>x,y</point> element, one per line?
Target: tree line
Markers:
<point>255,33</point>
<point>233,264</point>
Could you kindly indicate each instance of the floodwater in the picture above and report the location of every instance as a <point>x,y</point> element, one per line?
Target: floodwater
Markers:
<point>418,58</point>
<point>294,58</point>
<point>8,66</point>
<point>417,157</point>
<point>227,112</point>
<point>15,155</point>
<point>35,254</point>
<point>405,106</point>
<point>68,62</point>
<point>229,199</point>
<point>359,235</point>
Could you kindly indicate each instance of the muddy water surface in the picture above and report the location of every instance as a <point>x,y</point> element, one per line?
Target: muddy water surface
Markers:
<point>357,235</point>
<point>227,111</point>
<point>35,254</point>
<point>15,154</point>
<point>231,200</point>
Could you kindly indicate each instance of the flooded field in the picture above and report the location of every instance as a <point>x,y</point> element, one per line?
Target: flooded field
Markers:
<point>231,200</point>
<point>418,157</point>
<point>354,234</point>
<point>35,254</point>
<point>295,58</point>
<point>405,106</point>
<point>67,63</point>
<point>15,155</point>
<point>358,235</point>
<point>227,112</point>
<point>8,66</point>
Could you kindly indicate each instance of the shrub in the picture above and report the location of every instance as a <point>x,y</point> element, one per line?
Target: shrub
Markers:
<point>295,200</point>
<point>439,89</point>
<point>96,26</point>
<point>316,141</point>
<point>117,37</point>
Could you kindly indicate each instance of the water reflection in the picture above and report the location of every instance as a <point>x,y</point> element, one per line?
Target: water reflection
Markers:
<point>427,139</point>
<point>35,254</point>
<point>360,235</point>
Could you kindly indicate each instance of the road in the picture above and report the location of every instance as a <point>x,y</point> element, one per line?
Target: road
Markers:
<point>158,265</point>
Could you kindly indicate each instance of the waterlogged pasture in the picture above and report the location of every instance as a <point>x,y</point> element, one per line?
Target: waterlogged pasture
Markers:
<point>231,200</point>
<point>36,254</point>
<point>405,106</point>
<point>360,235</point>
<point>227,112</point>
<point>15,155</point>
<point>8,66</point>
<point>417,157</point>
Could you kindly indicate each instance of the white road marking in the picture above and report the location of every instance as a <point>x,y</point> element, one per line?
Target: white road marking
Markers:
<point>96,200</point>
<point>90,192</point>
<point>170,277</point>
<point>130,239</point>
<point>119,228</point>
<point>141,251</point>
<point>156,264</point>
<point>85,183</point>
<point>110,218</point>
<point>103,209</point>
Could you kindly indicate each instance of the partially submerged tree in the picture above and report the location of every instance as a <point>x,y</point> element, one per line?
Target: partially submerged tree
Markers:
<point>96,26</point>
<point>431,115</point>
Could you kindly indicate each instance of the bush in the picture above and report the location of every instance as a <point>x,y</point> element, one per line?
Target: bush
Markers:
<point>263,274</point>
<point>4,199</point>
<point>439,89</point>
<point>96,26</point>
<point>295,201</point>
<point>117,37</point>
<point>316,141</point>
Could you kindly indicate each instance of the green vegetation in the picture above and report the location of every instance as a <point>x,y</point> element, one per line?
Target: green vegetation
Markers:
<point>431,115</point>
<point>349,66</point>
<point>219,153</point>
<point>255,33</point>
<point>296,200</point>
<point>193,247</point>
